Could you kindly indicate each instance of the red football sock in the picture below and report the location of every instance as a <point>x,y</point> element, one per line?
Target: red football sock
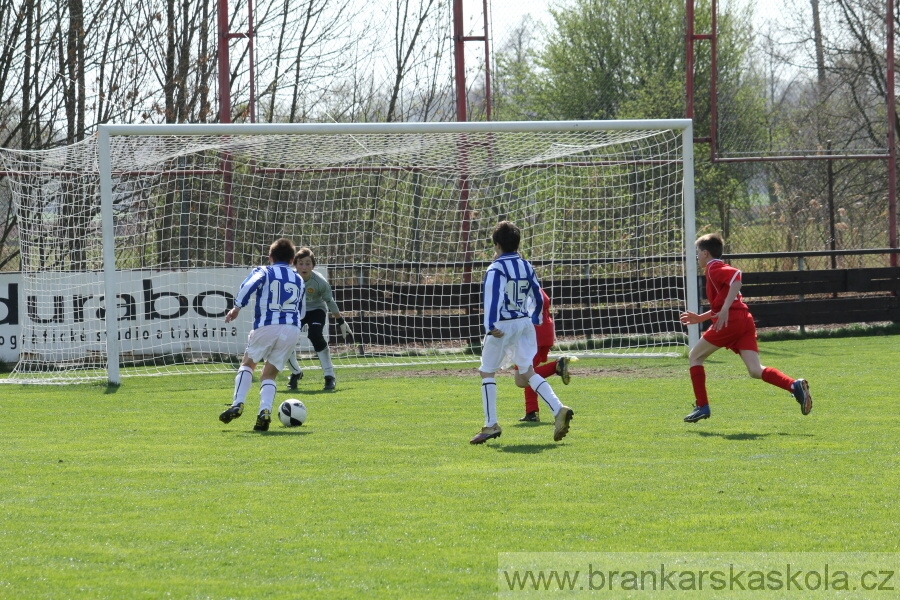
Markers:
<point>777,378</point>
<point>531,400</point>
<point>698,380</point>
<point>546,370</point>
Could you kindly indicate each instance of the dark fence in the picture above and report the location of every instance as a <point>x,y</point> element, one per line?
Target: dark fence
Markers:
<point>385,314</point>
<point>821,297</point>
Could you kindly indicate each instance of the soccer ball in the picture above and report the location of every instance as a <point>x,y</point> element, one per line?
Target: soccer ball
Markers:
<point>292,413</point>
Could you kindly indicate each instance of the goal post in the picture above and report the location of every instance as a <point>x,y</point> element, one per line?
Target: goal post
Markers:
<point>108,228</point>
<point>168,219</point>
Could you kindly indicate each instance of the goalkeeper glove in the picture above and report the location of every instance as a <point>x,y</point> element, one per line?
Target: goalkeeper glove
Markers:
<point>345,329</point>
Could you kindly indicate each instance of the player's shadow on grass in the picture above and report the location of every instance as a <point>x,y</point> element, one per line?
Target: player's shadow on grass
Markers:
<point>744,437</point>
<point>312,392</point>
<point>738,437</point>
<point>282,431</point>
<point>524,448</point>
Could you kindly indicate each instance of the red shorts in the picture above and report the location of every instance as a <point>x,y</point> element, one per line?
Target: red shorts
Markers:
<point>739,334</point>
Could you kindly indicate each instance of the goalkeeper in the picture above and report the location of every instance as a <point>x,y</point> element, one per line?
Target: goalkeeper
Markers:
<point>318,299</point>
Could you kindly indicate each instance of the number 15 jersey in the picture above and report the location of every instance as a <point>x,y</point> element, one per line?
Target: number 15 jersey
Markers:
<point>511,291</point>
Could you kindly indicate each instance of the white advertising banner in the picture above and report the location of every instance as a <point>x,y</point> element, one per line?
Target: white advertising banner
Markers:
<point>159,313</point>
<point>10,315</point>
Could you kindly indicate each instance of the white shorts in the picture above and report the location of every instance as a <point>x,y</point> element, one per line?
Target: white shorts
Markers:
<point>273,343</point>
<point>517,346</point>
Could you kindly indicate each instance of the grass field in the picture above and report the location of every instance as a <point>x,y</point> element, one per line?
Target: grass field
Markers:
<point>140,492</point>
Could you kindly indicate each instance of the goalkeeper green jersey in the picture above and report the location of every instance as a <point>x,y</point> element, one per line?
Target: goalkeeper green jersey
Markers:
<point>318,294</point>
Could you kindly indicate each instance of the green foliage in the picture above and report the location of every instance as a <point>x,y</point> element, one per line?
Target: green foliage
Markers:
<point>721,189</point>
<point>140,492</point>
<point>608,60</point>
<point>517,76</point>
<point>626,60</point>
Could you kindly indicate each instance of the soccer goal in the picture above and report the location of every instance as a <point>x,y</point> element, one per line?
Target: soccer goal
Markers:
<point>168,219</point>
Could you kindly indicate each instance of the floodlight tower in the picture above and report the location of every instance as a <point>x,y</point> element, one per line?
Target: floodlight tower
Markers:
<point>459,61</point>
<point>225,107</point>
<point>224,63</point>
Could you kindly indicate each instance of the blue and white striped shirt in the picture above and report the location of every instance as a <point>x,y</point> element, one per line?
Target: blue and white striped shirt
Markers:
<point>511,291</point>
<point>280,295</point>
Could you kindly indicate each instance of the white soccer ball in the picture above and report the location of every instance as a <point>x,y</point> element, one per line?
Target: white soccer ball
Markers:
<point>292,412</point>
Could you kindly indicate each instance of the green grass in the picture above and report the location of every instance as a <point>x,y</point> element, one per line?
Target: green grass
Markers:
<point>140,492</point>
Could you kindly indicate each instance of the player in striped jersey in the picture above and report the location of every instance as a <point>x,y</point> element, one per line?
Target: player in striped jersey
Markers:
<point>512,307</point>
<point>280,305</point>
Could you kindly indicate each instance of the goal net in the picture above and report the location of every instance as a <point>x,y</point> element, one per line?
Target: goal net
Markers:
<point>168,220</point>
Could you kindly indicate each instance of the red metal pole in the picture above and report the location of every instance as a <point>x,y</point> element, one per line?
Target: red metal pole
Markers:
<point>459,57</point>
<point>464,213</point>
<point>225,117</point>
<point>224,69</point>
<point>461,148</point>
<point>892,134</point>
<point>691,38</point>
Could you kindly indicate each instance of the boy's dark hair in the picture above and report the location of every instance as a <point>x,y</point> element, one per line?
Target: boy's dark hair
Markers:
<point>303,253</point>
<point>507,235</point>
<point>712,243</point>
<point>282,250</point>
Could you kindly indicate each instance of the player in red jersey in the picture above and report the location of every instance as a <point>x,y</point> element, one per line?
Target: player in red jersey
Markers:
<point>732,328</point>
<point>546,337</point>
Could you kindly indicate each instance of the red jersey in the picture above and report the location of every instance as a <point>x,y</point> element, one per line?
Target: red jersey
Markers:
<point>546,333</point>
<point>719,278</point>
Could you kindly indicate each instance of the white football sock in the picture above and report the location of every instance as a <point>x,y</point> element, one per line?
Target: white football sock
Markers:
<point>543,389</point>
<point>266,395</point>
<point>489,400</point>
<point>325,359</point>
<point>242,382</point>
<point>293,364</point>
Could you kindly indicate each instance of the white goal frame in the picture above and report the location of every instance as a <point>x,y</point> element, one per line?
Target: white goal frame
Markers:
<point>108,131</point>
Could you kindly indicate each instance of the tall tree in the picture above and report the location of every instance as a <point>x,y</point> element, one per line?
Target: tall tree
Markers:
<point>415,45</point>
<point>74,72</point>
